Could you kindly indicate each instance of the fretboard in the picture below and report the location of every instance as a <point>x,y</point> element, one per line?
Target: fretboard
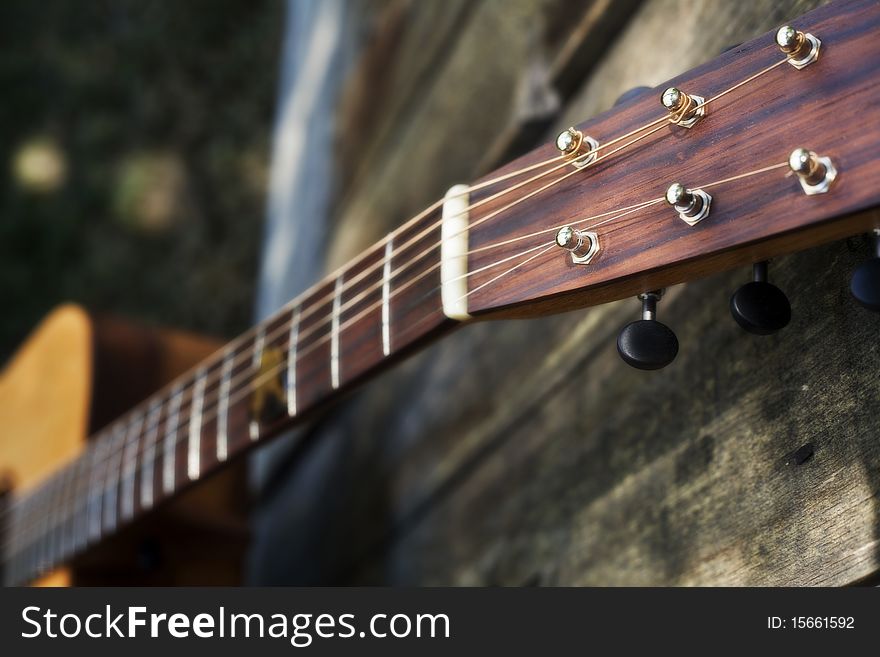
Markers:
<point>331,337</point>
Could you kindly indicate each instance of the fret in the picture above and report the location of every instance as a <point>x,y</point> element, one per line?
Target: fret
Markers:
<point>386,299</point>
<point>82,514</point>
<point>42,529</point>
<point>66,504</point>
<point>129,467</point>
<point>96,492</point>
<point>53,497</point>
<point>20,548</point>
<point>148,457</point>
<point>292,346</point>
<point>59,504</point>
<point>57,516</point>
<point>10,549</point>
<point>259,345</point>
<point>80,518</point>
<point>22,542</point>
<point>32,554</point>
<point>111,480</point>
<point>33,532</point>
<point>16,544</point>
<point>30,534</point>
<point>169,444</point>
<point>334,335</point>
<point>223,405</point>
<point>193,466</point>
<point>69,504</point>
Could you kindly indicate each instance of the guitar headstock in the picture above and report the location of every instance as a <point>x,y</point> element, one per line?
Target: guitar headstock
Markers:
<point>692,177</point>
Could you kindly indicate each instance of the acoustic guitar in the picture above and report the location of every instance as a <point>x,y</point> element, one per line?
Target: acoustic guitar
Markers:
<point>769,149</point>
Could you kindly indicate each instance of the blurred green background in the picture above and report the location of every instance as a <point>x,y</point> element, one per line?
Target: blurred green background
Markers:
<point>134,138</point>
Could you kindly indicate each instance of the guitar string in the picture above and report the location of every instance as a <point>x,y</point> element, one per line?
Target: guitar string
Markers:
<point>533,167</point>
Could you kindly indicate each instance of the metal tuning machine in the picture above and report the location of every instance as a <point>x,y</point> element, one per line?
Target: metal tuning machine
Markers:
<point>684,109</point>
<point>816,173</point>
<point>580,149</point>
<point>582,244</point>
<point>692,205</point>
<point>801,48</point>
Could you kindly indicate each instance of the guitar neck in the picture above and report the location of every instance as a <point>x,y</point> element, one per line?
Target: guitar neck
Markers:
<point>348,326</point>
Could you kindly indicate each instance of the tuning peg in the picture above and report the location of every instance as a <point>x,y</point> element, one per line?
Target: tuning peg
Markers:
<point>646,344</point>
<point>760,307</point>
<point>865,283</point>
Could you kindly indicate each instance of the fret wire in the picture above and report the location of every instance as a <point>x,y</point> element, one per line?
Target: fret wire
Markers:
<point>46,516</point>
<point>48,519</point>
<point>96,492</point>
<point>67,500</point>
<point>33,532</point>
<point>259,345</point>
<point>34,552</point>
<point>149,454</point>
<point>130,466</point>
<point>111,480</point>
<point>386,299</point>
<point>17,546</point>
<point>45,534</point>
<point>223,406</point>
<point>69,507</point>
<point>193,466</point>
<point>80,531</point>
<point>293,343</point>
<point>169,446</point>
<point>334,334</point>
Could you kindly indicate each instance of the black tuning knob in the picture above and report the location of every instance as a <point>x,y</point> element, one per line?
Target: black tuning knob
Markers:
<point>760,307</point>
<point>865,283</point>
<point>647,344</point>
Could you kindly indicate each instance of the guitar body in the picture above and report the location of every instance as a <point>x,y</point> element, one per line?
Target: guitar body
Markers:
<point>73,375</point>
<point>45,394</point>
